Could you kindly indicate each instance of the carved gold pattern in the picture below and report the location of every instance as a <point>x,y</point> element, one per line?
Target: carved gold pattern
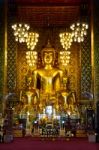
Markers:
<point>86,66</point>
<point>96,51</point>
<point>11,61</point>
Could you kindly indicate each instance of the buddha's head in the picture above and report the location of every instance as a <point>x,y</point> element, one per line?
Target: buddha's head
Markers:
<point>48,54</point>
<point>48,57</point>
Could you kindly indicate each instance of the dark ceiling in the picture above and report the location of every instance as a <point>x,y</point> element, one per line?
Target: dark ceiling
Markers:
<point>50,13</point>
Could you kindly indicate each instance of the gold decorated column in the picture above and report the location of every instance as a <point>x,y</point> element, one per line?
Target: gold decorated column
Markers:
<point>92,47</point>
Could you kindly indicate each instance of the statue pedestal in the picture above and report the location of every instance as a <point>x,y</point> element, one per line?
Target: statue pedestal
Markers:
<point>28,132</point>
<point>28,126</point>
<point>62,133</point>
<point>36,133</point>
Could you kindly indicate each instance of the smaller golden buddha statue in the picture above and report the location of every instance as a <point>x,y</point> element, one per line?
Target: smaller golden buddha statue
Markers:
<point>72,104</point>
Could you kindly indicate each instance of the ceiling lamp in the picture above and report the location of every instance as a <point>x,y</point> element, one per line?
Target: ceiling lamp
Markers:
<point>66,40</point>
<point>31,57</point>
<point>32,40</point>
<point>79,30</point>
<point>64,57</point>
<point>20,32</point>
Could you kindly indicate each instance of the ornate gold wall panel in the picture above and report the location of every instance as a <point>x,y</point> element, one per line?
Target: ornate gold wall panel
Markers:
<point>96,50</point>
<point>22,67</point>
<point>74,69</point>
<point>11,67</point>
<point>86,78</point>
<point>11,53</point>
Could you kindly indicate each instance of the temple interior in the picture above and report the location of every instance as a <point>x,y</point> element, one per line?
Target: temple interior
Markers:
<point>49,67</point>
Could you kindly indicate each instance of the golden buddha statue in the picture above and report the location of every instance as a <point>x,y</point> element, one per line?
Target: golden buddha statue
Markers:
<point>49,77</point>
<point>49,87</point>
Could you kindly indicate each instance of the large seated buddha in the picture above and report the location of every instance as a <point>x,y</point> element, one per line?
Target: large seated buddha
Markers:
<point>48,78</point>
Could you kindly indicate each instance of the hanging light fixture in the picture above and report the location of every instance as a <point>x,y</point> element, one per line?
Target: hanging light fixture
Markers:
<point>20,32</point>
<point>32,40</point>
<point>64,57</point>
<point>31,57</point>
<point>79,30</point>
<point>66,40</point>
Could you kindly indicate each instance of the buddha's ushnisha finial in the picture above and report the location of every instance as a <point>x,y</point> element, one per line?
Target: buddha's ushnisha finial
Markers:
<point>48,47</point>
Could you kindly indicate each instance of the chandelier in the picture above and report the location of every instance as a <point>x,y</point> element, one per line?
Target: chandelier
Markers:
<point>79,30</point>
<point>32,40</point>
<point>31,57</point>
<point>20,32</point>
<point>66,40</point>
<point>64,57</point>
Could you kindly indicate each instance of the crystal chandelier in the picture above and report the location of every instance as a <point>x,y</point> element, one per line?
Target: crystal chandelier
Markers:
<point>31,57</point>
<point>20,32</point>
<point>66,40</point>
<point>32,40</point>
<point>79,30</point>
<point>64,57</point>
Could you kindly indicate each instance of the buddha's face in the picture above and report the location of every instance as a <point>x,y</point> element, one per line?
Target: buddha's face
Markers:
<point>48,57</point>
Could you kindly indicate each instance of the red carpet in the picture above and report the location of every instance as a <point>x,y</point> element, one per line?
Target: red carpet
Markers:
<point>45,144</point>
